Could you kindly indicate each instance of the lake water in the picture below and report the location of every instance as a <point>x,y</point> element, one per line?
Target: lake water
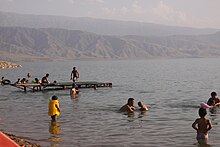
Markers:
<point>172,89</point>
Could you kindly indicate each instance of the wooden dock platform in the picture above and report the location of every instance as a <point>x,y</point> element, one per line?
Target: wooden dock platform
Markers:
<point>61,85</point>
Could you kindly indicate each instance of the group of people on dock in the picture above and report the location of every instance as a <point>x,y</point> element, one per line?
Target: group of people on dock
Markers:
<point>74,76</point>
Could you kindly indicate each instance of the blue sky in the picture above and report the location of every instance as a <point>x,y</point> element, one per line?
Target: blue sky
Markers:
<point>190,13</point>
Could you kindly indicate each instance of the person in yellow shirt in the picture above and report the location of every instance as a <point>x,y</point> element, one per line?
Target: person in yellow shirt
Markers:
<point>53,108</point>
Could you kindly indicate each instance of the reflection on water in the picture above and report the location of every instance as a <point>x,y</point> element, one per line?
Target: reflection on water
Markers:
<point>74,97</point>
<point>54,129</point>
<point>202,144</point>
<point>142,114</point>
<point>213,110</point>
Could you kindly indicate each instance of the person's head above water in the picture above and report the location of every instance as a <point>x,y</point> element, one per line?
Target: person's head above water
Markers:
<point>213,94</point>
<point>130,101</point>
<point>140,104</point>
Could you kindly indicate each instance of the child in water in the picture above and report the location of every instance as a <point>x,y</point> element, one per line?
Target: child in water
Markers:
<point>203,126</point>
<point>53,108</point>
<point>142,106</point>
<point>74,89</point>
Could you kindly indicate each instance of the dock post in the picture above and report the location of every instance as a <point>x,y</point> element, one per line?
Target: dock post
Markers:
<point>25,89</point>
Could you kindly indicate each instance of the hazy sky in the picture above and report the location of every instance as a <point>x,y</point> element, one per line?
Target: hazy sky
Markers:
<point>192,13</point>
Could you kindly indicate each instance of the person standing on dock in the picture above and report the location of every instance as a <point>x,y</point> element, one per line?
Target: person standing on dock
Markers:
<point>74,74</point>
<point>28,75</point>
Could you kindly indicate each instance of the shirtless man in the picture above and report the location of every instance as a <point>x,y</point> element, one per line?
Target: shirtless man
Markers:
<point>202,125</point>
<point>214,100</point>
<point>129,107</point>
<point>74,74</point>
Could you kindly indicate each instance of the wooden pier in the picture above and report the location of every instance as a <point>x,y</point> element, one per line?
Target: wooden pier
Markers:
<point>61,85</point>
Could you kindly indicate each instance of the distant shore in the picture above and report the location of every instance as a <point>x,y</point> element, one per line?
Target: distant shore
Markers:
<point>5,64</point>
<point>21,141</point>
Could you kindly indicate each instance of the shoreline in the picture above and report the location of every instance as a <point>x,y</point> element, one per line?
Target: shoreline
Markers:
<point>5,64</point>
<point>21,141</point>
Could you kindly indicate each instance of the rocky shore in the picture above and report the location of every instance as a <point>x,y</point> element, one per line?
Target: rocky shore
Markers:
<point>5,64</point>
<point>21,141</point>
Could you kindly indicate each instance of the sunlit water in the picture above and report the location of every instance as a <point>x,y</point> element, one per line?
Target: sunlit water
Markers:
<point>172,89</point>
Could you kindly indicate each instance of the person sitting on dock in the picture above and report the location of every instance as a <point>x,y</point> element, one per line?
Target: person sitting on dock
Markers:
<point>18,81</point>
<point>24,81</point>
<point>74,74</point>
<point>37,81</point>
<point>45,79</point>
<point>129,107</point>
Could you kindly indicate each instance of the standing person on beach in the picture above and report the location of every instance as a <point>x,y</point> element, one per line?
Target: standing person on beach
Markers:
<point>202,125</point>
<point>53,108</point>
<point>129,107</point>
<point>74,74</point>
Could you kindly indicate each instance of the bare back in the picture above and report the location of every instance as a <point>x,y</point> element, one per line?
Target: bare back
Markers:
<point>203,125</point>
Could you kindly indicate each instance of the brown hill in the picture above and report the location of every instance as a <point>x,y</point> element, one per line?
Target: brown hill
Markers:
<point>18,43</point>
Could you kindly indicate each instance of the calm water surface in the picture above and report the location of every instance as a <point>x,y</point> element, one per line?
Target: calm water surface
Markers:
<point>172,89</point>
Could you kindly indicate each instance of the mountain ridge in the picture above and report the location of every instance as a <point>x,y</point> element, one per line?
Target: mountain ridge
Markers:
<point>19,43</point>
<point>98,26</point>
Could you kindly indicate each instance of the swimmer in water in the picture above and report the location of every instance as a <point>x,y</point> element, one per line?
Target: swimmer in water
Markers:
<point>142,106</point>
<point>129,107</point>
<point>74,89</point>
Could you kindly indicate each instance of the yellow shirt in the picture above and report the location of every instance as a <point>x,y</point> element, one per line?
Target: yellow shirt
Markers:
<point>52,110</point>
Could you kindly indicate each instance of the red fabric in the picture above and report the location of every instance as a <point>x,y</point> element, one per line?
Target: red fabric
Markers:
<point>5,141</point>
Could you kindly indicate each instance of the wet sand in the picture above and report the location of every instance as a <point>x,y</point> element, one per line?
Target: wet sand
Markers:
<point>22,141</point>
